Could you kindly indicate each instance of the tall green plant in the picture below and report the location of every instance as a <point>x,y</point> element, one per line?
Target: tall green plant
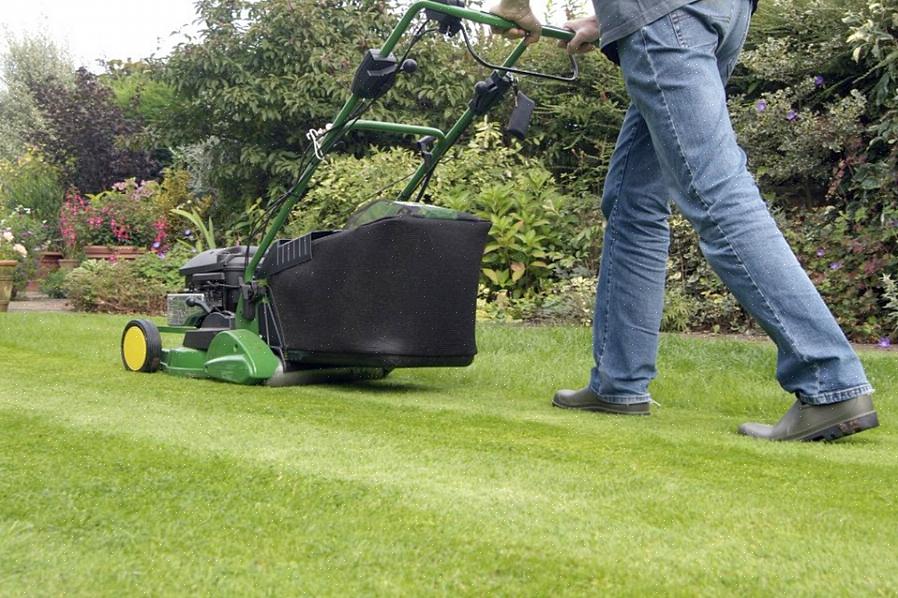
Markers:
<point>31,182</point>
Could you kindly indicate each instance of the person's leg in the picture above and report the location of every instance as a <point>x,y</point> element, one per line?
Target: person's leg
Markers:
<point>674,70</point>
<point>630,292</point>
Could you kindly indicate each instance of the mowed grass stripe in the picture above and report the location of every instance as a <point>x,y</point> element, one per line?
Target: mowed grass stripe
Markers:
<point>581,501</point>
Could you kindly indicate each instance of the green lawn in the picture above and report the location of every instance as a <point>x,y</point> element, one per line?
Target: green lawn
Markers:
<point>444,481</point>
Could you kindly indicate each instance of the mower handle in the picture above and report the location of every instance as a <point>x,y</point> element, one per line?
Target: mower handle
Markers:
<point>343,118</point>
<point>478,16</point>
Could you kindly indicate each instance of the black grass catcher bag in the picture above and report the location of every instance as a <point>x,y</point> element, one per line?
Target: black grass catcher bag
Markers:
<point>396,288</point>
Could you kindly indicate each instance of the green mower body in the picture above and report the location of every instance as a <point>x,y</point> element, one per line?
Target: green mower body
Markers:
<point>395,288</point>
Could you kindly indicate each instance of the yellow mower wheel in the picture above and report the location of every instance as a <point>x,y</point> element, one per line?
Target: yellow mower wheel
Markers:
<point>141,346</point>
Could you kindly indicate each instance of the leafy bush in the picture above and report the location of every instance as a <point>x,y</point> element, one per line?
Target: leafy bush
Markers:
<point>569,301</point>
<point>163,268</point>
<point>528,240</point>
<point>792,149</point>
<point>137,286</point>
<point>22,237</point>
<point>890,294</point>
<point>53,284</point>
<point>847,253</point>
<point>31,182</point>
<point>112,287</point>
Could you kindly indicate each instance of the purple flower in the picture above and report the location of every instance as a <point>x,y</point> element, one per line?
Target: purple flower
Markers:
<point>821,252</point>
<point>885,342</point>
<point>156,245</point>
<point>818,81</point>
<point>791,115</point>
<point>835,265</point>
<point>761,105</point>
<point>161,256</point>
<point>188,232</point>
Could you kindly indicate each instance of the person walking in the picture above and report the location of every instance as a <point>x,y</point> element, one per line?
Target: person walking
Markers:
<point>677,144</point>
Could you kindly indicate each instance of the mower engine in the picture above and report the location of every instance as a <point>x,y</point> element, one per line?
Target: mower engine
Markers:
<point>212,280</point>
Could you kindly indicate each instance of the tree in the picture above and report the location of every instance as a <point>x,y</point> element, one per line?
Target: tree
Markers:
<point>87,135</point>
<point>27,62</point>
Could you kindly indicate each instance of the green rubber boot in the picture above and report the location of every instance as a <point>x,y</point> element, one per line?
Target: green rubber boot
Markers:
<point>586,400</point>
<point>818,422</point>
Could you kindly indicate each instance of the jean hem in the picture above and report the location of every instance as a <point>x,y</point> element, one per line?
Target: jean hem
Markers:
<point>622,399</point>
<point>835,396</point>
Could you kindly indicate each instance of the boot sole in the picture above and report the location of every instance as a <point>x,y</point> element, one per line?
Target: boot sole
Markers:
<point>841,429</point>
<point>598,409</point>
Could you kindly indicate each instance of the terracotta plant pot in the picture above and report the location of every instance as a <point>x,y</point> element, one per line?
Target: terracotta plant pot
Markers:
<point>68,264</point>
<point>110,252</point>
<point>7,270</point>
<point>48,261</point>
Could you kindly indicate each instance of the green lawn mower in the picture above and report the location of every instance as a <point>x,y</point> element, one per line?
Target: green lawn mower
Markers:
<point>395,288</point>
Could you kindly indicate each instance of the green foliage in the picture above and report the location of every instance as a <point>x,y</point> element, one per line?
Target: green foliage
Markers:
<point>87,136</point>
<point>264,74</point>
<point>679,308</point>
<point>21,236</point>
<point>570,301</point>
<point>846,253</point>
<point>163,269</point>
<point>793,149</point>
<point>137,286</point>
<point>874,41</point>
<point>139,91</point>
<point>31,182</point>
<point>26,62</point>
<point>27,230</point>
<point>527,240</point>
<point>203,238</point>
<point>53,284</point>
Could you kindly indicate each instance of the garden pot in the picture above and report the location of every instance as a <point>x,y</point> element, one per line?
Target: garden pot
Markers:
<point>7,270</point>
<point>48,261</point>
<point>68,264</point>
<point>112,252</point>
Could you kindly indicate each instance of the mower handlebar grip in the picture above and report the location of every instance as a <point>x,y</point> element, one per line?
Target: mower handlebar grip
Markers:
<point>477,16</point>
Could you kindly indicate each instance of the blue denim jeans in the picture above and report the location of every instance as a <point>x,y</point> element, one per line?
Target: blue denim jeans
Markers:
<point>677,144</point>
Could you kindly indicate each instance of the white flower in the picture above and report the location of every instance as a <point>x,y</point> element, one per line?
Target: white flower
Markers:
<point>20,249</point>
<point>7,236</point>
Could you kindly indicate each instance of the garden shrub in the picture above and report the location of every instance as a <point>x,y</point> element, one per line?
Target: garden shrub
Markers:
<point>31,182</point>
<point>53,284</point>
<point>113,287</point>
<point>849,254</point>
<point>137,286</point>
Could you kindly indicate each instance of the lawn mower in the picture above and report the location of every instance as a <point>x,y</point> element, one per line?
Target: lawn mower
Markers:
<point>396,288</point>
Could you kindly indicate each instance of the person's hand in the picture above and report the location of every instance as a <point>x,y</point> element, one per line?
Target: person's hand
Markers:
<point>586,32</point>
<point>518,11</point>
